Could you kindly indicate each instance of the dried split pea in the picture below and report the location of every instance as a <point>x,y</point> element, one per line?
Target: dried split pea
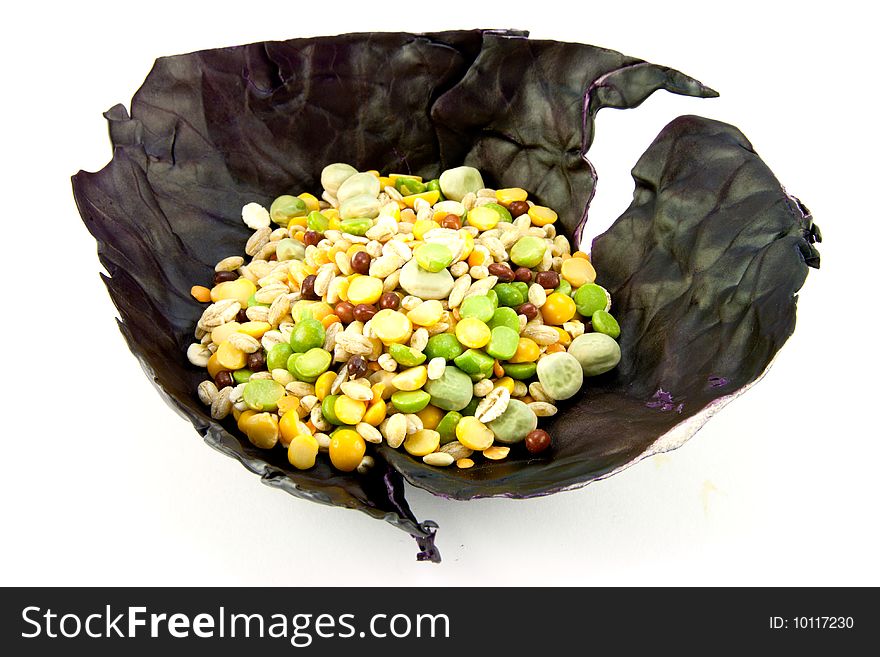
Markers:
<point>422,442</point>
<point>347,448</point>
<point>291,426</point>
<point>200,293</point>
<point>472,333</point>
<point>262,429</point>
<point>431,416</point>
<point>243,417</point>
<point>323,384</point>
<point>483,218</point>
<point>229,357</point>
<point>222,332</point>
<point>422,226</point>
<point>411,379</point>
<point>286,404</point>
<point>509,195</point>
<point>527,351</point>
<point>473,434</point>
<point>329,319</point>
<point>496,453</point>
<point>505,382</point>
<point>364,289</point>
<point>431,197</point>
<point>214,367</point>
<point>302,451</point>
<point>391,326</point>
<point>558,308</point>
<point>479,256</point>
<point>578,271</point>
<point>376,412</point>
<point>426,313</point>
<point>542,216</point>
<point>468,244</point>
<point>255,329</point>
<point>348,410</point>
<point>378,390</point>
<point>240,289</point>
<point>310,201</point>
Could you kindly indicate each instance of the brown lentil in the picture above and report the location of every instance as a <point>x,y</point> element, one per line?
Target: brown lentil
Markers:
<point>345,312</point>
<point>549,280</point>
<point>537,441</point>
<point>307,290</point>
<point>224,276</point>
<point>357,367</point>
<point>311,238</point>
<point>389,301</point>
<point>529,310</point>
<point>517,208</point>
<point>502,271</point>
<point>256,362</point>
<point>363,312</point>
<point>224,379</point>
<point>523,274</point>
<point>360,262</point>
<point>452,221</point>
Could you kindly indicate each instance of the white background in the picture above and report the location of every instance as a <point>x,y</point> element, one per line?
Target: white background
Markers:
<point>103,484</point>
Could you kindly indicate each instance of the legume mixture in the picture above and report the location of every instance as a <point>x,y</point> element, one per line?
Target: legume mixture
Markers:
<point>440,317</point>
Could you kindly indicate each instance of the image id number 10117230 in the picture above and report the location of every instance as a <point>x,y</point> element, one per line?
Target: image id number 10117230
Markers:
<point>812,623</point>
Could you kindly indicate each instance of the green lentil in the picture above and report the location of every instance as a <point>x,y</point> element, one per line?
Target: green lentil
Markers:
<point>313,363</point>
<point>564,287</point>
<point>503,343</point>
<point>508,295</point>
<point>474,361</point>
<point>242,375</point>
<point>317,221</point>
<point>262,394</point>
<point>528,251</point>
<point>446,427</point>
<point>444,345</point>
<point>327,409</point>
<point>357,226</point>
<point>604,322</point>
<point>307,334</point>
<point>589,298</point>
<point>520,371</point>
<point>411,401</point>
<point>479,307</point>
<point>433,257</point>
<point>276,357</point>
<point>406,356</point>
<point>505,316</point>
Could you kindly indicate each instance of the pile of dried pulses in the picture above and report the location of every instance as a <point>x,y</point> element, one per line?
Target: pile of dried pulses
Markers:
<point>441,317</point>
